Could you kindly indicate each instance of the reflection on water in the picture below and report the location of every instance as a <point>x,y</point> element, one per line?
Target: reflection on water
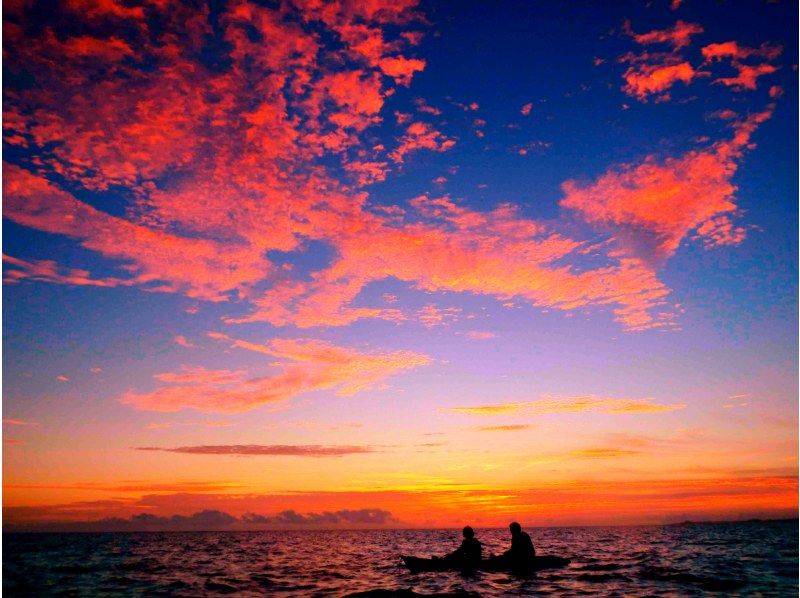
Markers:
<point>687,560</point>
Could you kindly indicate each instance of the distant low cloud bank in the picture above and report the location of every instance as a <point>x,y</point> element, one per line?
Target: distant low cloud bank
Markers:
<point>212,520</point>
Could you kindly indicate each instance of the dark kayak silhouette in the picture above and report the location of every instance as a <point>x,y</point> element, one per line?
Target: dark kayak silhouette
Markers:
<point>416,564</point>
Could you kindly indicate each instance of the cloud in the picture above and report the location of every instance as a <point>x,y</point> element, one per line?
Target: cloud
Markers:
<point>580,404</point>
<point>346,517</point>
<point>442,246</point>
<point>654,73</point>
<point>653,205</point>
<point>199,424</point>
<point>303,366</point>
<point>94,118</point>
<point>182,341</point>
<point>646,79</point>
<point>431,316</point>
<point>678,36</point>
<point>291,108</point>
<point>418,136</point>
<point>158,260</point>
<point>601,453</point>
<point>402,69</point>
<point>215,520</point>
<point>18,422</point>
<point>747,76</point>
<point>504,428</point>
<point>128,487</point>
<point>311,450</point>
<point>479,335</point>
<point>526,109</point>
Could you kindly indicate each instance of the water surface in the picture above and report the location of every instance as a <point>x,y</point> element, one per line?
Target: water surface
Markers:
<point>730,559</point>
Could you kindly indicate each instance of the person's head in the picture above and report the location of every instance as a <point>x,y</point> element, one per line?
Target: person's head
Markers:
<point>515,528</point>
<point>468,532</point>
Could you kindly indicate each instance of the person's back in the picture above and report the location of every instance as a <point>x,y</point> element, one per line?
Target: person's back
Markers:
<point>471,549</point>
<point>522,546</point>
<point>470,552</point>
<point>522,552</point>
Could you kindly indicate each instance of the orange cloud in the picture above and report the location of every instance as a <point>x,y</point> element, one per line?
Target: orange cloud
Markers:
<point>737,52</point>
<point>747,73</point>
<point>746,79</point>
<point>420,135</point>
<point>678,36</point>
<point>265,450</point>
<point>129,487</point>
<point>601,453</point>
<point>645,79</point>
<point>456,249</point>
<point>402,69</point>
<point>655,73</point>
<point>505,428</point>
<point>653,205</point>
<point>303,366</point>
<point>582,404</point>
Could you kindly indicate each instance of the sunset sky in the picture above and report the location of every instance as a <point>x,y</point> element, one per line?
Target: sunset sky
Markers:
<point>372,262</point>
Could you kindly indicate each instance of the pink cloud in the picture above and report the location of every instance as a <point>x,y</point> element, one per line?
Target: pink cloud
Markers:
<point>431,316</point>
<point>748,74</point>
<point>420,135</point>
<point>402,69</point>
<point>302,366</point>
<point>526,109</point>
<point>161,261</point>
<point>643,80</point>
<point>278,450</point>
<point>678,36</point>
<point>182,341</point>
<point>652,206</point>
<point>479,335</point>
<point>456,249</point>
<point>18,422</point>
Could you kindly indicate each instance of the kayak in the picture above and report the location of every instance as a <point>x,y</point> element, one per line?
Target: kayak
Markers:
<point>416,564</point>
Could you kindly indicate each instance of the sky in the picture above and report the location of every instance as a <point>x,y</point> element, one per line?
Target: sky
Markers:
<point>365,263</point>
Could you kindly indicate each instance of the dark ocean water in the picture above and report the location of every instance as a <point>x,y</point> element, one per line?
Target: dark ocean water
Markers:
<point>730,559</point>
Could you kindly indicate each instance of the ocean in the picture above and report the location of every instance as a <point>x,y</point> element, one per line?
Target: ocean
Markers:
<point>693,559</point>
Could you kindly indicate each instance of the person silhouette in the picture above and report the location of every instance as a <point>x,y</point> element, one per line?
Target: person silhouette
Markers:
<point>470,551</point>
<point>522,552</point>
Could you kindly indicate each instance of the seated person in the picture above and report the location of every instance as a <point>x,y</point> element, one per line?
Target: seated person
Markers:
<point>522,552</point>
<point>469,553</point>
